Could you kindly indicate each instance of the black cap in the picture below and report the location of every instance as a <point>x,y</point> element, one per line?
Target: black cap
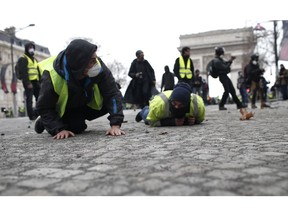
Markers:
<point>138,52</point>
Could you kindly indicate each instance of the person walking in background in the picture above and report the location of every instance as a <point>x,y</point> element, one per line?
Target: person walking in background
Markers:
<point>197,83</point>
<point>283,80</point>
<point>77,86</point>
<point>184,68</point>
<point>29,73</point>
<point>223,68</point>
<point>205,91</point>
<point>264,86</point>
<point>242,89</point>
<point>175,107</point>
<point>168,81</point>
<point>254,72</point>
<point>143,80</point>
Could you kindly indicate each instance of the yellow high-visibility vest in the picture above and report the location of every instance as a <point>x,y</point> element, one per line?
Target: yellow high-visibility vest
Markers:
<point>185,71</point>
<point>33,73</point>
<point>61,88</point>
<point>159,108</point>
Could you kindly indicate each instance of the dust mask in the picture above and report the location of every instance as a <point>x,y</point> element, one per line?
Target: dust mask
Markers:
<point>95,70</point>
<point>31,51</point>
<point>254,62</point>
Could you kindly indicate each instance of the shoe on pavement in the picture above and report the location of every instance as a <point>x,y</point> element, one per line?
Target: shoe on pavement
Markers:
<point>264,106</point>
<point>138,117</point>
<point>253,106</point>
<point>38,127</point>
<point>222,108</point>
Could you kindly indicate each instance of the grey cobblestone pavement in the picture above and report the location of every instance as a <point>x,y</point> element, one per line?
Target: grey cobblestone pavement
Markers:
<point>221,156</point>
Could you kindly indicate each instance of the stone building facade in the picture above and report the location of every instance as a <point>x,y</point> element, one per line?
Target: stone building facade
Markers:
<point>9,100</point>
<point>237,42</point>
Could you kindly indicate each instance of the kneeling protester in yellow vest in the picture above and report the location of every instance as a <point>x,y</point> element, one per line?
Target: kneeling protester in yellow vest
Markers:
<point>175,107</point>
<point>73,86</point>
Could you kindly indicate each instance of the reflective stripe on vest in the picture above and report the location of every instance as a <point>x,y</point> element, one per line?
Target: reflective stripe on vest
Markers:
<point>166,101</point>
<point>32,68</point>
<point>185,71</point>
<point>195,106</point>
<point>61,88</point>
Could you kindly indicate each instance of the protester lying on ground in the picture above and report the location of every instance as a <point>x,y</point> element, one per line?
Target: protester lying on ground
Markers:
<point>175,107</point>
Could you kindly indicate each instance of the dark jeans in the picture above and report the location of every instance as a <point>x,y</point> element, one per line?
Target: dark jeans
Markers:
<point>244,96</point>
<point>32,114</point>
<point>75,118</point>
<point>283,89</point>
<point>228,88</point>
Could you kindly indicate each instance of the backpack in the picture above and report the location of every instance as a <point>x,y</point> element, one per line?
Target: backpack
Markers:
<point>17,71</point>
<point>211,69</point>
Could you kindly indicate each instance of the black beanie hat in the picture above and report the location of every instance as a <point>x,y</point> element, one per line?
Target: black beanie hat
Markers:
<point>138,52</point>
<point>182,93</point>
<point>78,54</point>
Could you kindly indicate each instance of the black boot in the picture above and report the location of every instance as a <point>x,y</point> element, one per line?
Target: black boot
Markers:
<point>39,128</point>
<point>138,117</point>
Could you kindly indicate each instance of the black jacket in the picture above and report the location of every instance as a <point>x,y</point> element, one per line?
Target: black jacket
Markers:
<point>149,71</point>
<point>168,81</point>
<point>136,84</point>
<point>222,66</point>
<point>252,72</point>
<point>78,97</point>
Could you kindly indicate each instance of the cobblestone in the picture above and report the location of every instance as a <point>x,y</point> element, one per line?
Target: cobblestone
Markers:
<point>223,156</point>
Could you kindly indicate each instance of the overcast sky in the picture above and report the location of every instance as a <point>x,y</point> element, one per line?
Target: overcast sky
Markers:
<point>122,27</point>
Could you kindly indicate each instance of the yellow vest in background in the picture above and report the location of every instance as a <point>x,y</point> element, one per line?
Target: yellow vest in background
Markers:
<point>32,69</point>
<point>185,71</point>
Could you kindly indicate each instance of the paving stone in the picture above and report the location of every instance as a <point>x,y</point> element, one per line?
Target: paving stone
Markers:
<point>40,193</point>
<point>14,191</point>
<point>89,176</point>
<point>71,187</point>
<point>221,193</point>
<point>179,189</point>
<point>151,185</point>
<point>37,183</point>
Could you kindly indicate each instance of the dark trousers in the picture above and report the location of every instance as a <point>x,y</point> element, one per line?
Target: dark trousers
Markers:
<point>32,114</point>
<point>75,118</point>
<point>255,87</point>
<point>228,88</point>
<point>283,89</point>
<point>244,95</point>
<point>145,94</point>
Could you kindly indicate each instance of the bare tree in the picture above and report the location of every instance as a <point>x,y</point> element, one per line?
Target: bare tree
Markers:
<point>265,46</point>
<point>119,72</point>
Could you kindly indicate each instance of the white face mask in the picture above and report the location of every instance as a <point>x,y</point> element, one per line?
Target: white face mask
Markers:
<point>31,51</point>
<point>254,62</point>
<point>95,70</point>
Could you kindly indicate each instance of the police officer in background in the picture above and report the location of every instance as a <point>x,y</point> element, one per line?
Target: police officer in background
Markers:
<point>29,73</point>
<point>223,68</point>
<point>184,68</point>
